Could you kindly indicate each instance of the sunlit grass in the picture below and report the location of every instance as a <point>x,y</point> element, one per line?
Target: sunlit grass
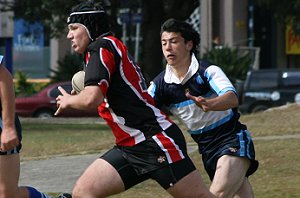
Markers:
<point>278,175</point>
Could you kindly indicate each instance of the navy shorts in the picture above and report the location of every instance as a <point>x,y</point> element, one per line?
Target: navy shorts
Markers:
<point>237,142</point>
<point>19,133</point>
<point>147,160</point>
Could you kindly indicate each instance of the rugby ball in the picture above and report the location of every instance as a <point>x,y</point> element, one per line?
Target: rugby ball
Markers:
<point>78,81</point>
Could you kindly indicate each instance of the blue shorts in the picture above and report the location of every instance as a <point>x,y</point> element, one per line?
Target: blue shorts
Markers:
<point>236,142</point>
<point>19,133</point>
<point>147,160</point>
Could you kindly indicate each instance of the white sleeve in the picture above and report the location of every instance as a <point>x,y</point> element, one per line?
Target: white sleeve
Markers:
<point>218,80</point>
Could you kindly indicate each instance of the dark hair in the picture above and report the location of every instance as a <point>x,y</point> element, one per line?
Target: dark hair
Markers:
<point>185,29</point>
<point>92,16</point>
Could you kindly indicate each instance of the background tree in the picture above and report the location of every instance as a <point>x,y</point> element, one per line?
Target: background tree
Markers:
<point>233,63</point>
<point>286,12</point>
<point>155,12</point>
<point>53,14</point>
<point>67,67</point>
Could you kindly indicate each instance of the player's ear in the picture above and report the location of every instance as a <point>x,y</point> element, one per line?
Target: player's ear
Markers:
<point>189,45</point>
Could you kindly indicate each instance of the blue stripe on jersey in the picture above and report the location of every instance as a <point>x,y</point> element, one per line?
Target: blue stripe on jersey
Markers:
<point>212,126</point>
<point>182,104</point>
<point>211,82</point>
<point>199,80</point>
<point>249,140</point>
<point>221,84</point>
<point>151,90</point>
<point>244,143</point>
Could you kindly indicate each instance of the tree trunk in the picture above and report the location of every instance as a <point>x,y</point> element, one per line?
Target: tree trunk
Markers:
<point>151,56</point>
<point>155,12</point>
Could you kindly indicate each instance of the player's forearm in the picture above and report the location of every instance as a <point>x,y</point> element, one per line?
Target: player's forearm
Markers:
<point>89,98</point>
<point>7,98</point>
<point>226,101</point>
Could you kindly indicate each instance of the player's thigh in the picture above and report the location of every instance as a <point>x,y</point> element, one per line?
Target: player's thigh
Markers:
<point>9,172</point>
<point>230,174</point>
<point>191,185</point>
<point>100,179</point>
<point>181,179</point>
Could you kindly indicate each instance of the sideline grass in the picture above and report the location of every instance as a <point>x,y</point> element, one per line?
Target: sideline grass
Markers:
<point>278,175</point>
<point>46,140</point>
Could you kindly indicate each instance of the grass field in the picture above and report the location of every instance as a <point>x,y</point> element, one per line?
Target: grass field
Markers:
<point>276,136</point>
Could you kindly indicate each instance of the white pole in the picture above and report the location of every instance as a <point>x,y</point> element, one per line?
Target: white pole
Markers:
<point>137,42</point>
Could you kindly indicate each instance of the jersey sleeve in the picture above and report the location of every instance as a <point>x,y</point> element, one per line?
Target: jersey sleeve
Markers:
<point>99,69</point>
<point>1,58</point>
<point>156,93</point>
<point>218,80</point>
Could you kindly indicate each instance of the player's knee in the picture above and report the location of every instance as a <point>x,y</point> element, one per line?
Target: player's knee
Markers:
<point>220,193</point>
<point>79,191</point>
<point>82,191</point>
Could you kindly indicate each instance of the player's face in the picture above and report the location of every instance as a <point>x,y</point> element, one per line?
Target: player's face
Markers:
<point>78,37</point>
<point>175,49</point>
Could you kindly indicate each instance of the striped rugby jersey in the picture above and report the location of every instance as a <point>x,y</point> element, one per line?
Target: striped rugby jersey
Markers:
<point>127,108</point>
<point>202,79</point>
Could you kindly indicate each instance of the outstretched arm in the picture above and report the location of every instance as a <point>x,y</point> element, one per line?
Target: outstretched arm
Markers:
<point>221,103</point>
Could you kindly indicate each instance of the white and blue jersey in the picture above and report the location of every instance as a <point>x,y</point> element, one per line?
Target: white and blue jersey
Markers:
<point>217,133</point>
<point>202,79</point>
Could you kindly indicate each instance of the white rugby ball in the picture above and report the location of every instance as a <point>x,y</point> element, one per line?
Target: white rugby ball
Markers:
<point>78,81</point>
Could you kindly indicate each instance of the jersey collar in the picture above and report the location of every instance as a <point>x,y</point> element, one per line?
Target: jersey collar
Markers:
<point>171,78</point>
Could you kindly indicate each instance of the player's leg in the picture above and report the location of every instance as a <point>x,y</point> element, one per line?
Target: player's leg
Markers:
<point>191,185</point>
<point>245,190</point>
<point>100,179</point>
<point>30,192</point>
<point>181,179</point>
<point>9,175</point>
<point>229,176</point>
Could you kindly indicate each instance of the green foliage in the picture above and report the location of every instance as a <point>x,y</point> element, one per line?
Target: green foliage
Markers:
<point>23,87</point>
<point>234,64</point>
<point>51,13</point>
<point>67,67</point>
<point>286,12</point>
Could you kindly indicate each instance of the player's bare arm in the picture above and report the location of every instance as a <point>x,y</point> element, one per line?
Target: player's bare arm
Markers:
<point>89,98</point>
<point>220,103</point>
<point>9,138</point>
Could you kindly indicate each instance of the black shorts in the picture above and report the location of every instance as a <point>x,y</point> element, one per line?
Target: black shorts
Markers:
<point>237,142</point>
<point>147,160</point>
<point>19,133</point>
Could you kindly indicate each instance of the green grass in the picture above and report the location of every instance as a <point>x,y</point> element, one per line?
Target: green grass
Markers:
<point>278,175</point>
<point>46,140</point>
<point>279,171</point>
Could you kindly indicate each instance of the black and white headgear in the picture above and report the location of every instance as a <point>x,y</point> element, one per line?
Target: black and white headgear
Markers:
<point>92,17</point>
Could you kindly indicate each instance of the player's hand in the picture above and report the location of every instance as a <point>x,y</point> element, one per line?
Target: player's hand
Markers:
<point>9,139</point>
<point>200,101</point>
<point>62,101</point>
<point>73,92</point>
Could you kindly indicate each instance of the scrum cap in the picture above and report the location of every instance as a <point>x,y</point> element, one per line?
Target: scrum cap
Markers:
<point>92,17</point>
